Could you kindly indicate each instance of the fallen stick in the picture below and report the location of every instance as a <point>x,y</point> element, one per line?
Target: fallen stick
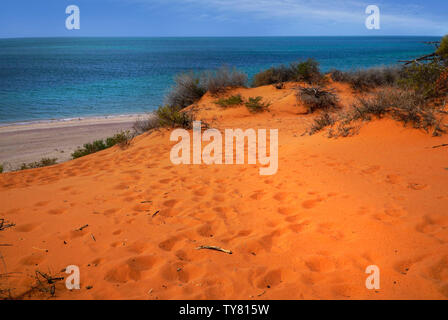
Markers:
<point>93,237</point>
<point>155,213</point>
<point>440,146</point>
<point>214,248</point>
<point>83,227</point>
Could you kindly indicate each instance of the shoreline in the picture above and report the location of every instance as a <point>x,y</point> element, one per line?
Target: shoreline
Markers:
<point>72,121</point>
<point>30,142</point>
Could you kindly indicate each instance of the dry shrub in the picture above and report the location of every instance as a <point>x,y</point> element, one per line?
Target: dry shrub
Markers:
<point>407,107</point>
<point>317,98</point>
<point>365,80</point>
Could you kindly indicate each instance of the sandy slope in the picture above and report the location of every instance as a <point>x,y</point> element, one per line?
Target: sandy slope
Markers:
<point>308,232</point>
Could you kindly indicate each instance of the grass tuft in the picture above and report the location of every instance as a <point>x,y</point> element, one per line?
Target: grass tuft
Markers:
<point>230,101</point>
<point>255,105</point>
<point>44,162</point>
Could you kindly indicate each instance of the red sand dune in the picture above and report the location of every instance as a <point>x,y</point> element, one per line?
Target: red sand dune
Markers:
<point>335,207</point>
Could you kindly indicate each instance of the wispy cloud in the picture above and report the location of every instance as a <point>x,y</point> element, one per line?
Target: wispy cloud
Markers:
<point>393,13</point>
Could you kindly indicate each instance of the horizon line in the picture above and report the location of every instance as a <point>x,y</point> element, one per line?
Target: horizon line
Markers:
<point>271,36</point>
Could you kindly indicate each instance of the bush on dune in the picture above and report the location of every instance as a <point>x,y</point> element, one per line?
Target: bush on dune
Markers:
<point>407,107</point>
<point>169,116</point>
<point>191,87</point>
<point>230,101</point>
<point>122,139</point>
<point>222,79</point>
<point>317,98</point>
<point>422,78</point>
<point>44,162</point>
<point>186,91</point>
<point>255,105</point>
<point>307,71</point>
<point>364,80</point>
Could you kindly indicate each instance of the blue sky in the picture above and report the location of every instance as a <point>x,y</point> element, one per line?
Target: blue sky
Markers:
<point>43,18</point>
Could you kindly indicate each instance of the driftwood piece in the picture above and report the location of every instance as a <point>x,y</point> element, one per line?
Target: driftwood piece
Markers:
<point>214,248</point>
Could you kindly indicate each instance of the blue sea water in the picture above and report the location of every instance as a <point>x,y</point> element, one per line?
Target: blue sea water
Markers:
<point>57,78</point>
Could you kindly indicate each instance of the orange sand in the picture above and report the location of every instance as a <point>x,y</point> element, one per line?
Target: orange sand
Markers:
<point>335,207</point>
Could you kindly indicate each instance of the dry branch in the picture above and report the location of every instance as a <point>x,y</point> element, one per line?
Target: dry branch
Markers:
<point>214,248</point>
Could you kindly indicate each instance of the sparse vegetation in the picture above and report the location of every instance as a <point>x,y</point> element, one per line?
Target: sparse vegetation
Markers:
<point>170,116</point>
<point>187,90</point>
<point>255,105</point>
<point>230,101</point>
<point>44,162</point>
<point>190,87</point>
<point>1,168</point>
<point>307,71</point>
<point>422,78</point>
<point>407,107</point>
<point>317,98</point>
<point>222,79</point>
<point>321,122</point>
<point>122,139</point>
<point>365,80</point>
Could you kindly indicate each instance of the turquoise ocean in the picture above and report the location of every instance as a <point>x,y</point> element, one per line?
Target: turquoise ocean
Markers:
<point>63,78</point>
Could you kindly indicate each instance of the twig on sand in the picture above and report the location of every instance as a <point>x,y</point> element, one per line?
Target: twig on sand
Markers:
<point>440,146</point>
<point>83,227</point>
<point>5,245</point>
<point>93,237</point>
<point>4,226</point>
<point>155,213</point>
<point>214,248</point>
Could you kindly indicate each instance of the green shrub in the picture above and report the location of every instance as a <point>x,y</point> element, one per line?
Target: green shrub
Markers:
<point>442,51</point>
<point>44,162</point>
<point>230,101</point>
<point>307,71</point>
<point>316,98</point>
<point>255,105</point>
<point>122,139</point>
<point>170,116</point>
<point>422,78</point>
<point>1,168</point>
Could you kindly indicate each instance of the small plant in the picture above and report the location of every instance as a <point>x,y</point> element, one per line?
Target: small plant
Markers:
<point>321,122</point>
<point>230,101</point>
<point>170,116</point>
<point>255,105</point>
<point>1,168</point>
<point>122,139</point>
<point>316,98</point>
<point>44,162</point>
